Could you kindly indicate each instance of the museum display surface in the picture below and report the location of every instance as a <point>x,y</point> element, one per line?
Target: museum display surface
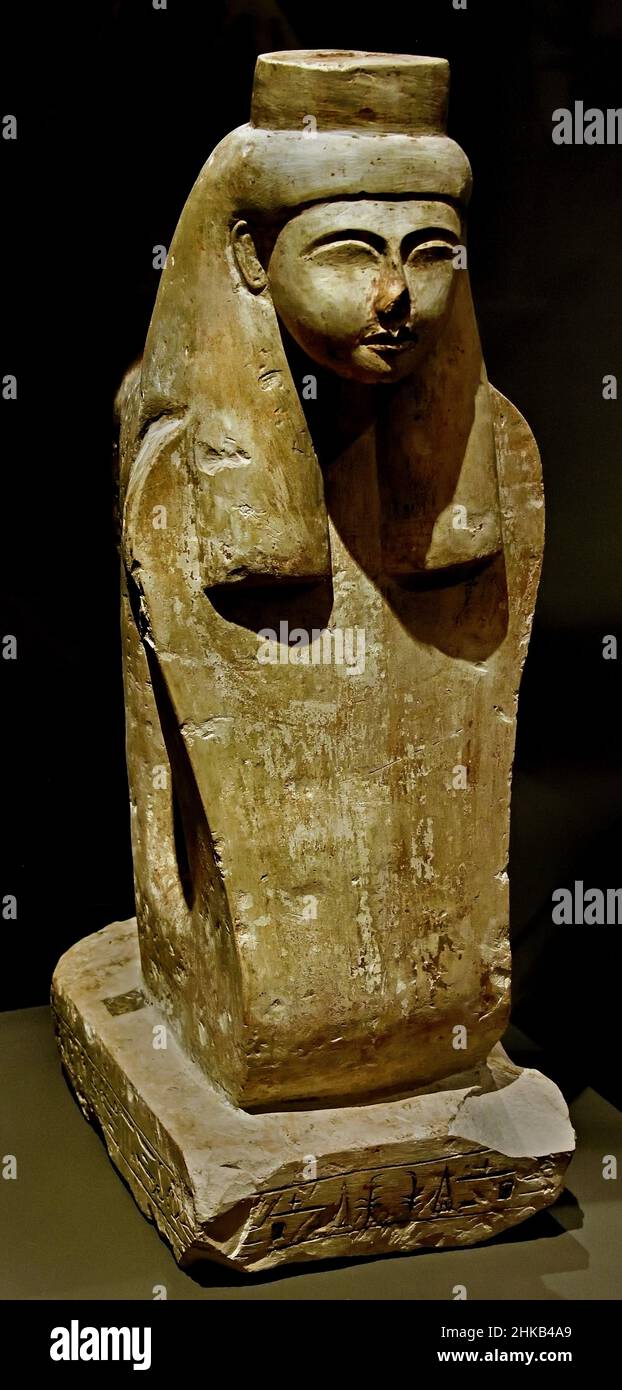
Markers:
<point>332,531</point>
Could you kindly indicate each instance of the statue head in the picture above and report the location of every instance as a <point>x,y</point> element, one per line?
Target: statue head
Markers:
<point>339,206</point>
<point>331,219</point>
<point>365,285</point>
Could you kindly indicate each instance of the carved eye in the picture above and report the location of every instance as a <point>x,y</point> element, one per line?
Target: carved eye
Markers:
<point>345,249</point>
<point>430,252</point>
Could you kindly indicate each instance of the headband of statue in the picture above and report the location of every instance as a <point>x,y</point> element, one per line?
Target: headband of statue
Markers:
<point>345,124</point>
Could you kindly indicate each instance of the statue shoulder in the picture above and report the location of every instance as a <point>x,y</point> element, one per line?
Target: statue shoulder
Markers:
<point>521,494</point>
<point>518,454</point>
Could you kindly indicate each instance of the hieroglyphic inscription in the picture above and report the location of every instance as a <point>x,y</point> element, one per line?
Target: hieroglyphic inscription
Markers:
<point>462,1185</point>
<point>125,1139</point>
<point>453,1199</point>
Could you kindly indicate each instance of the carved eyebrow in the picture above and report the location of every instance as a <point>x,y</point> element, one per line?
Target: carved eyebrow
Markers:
<point>418,238</point>
<point>372,239</point>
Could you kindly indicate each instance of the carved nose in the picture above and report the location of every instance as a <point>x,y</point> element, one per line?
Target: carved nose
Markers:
<point>392,303</point>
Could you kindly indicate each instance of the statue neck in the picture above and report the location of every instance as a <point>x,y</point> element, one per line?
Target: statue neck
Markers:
<point>337,411</point>
<point>428,442</point>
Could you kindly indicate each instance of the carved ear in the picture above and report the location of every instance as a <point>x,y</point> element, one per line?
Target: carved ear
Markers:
<point>246,258</point>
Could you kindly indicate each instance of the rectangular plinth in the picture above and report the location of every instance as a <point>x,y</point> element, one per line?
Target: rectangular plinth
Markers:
<point>451,1167</point>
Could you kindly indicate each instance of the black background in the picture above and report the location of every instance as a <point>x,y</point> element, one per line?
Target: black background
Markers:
<point>118,107</point>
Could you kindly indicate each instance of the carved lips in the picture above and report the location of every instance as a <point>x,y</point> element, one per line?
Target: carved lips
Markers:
<point>386,342</point>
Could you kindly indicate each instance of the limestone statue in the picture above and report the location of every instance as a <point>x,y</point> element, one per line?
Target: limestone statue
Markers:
<point>332,529</point>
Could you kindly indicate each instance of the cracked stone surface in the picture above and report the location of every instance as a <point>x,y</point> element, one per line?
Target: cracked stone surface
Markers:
<point>321,848</point>
<point>450,1167</point>
<point>331,538</point>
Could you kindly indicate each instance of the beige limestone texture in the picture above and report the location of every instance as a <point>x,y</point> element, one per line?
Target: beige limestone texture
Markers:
<point>331,538</point>
<point>259,1190</point>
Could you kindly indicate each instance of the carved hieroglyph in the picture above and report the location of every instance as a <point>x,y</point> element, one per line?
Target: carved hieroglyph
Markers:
<point>332,531</point>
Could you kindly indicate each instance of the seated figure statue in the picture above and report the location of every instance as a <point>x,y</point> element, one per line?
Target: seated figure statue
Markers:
<point>332,530</point>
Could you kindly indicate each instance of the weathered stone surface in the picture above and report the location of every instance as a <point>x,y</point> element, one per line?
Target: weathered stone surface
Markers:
<point>257,1190</point>
<point>332,531</point>
<point>319,903</point>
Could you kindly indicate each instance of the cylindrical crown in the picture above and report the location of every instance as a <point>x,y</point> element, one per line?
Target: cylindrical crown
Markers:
<point>341,90</point>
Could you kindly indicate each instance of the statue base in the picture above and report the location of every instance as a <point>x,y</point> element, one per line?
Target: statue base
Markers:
<point>454,1166</point>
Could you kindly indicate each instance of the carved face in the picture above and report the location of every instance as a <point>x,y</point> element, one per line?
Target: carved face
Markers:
<point>365,286</point>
